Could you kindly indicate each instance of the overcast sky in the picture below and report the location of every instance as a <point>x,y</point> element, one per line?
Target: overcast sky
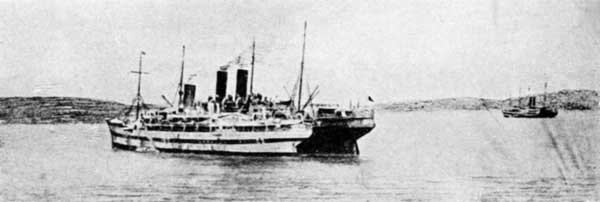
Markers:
<point>390,50</point>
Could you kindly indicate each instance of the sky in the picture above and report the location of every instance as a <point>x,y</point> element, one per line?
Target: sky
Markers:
<point>389,50</point>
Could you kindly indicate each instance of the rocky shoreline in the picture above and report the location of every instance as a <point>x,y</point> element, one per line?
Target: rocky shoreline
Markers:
<point>50,110</point>
<point>564,100</point>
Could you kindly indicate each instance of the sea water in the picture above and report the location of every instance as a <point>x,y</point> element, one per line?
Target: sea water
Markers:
<point>414,156</point>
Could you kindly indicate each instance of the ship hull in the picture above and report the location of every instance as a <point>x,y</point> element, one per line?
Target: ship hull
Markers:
<point>337,136</point>
<point>530,113</point>
<point>329,137</point>
<point>217,142</point>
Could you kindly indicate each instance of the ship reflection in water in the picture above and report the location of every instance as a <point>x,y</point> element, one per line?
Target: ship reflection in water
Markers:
<point>455,156</point>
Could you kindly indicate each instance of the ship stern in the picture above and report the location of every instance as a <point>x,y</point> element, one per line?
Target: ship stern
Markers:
<point>336,136</point>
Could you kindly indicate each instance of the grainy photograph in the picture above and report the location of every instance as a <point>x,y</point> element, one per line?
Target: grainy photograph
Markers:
<point>300,100</point>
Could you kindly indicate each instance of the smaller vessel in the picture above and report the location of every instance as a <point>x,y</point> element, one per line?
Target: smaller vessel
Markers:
<point>531,110</point>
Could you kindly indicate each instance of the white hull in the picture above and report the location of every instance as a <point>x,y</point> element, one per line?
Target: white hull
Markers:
<point>221,141</point>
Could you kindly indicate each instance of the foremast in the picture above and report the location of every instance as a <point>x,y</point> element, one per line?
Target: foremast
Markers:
<point>138,100</point>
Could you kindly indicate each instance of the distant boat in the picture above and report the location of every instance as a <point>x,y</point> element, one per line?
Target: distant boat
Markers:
<point>531,110</point>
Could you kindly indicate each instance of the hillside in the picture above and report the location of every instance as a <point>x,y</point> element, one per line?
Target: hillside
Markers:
<point>33,110</point>
<point>564,99</point>
<point>36,110</point>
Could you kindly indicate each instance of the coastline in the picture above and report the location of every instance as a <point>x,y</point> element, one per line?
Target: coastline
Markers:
<point>580,99</point>
<point>74,110</point>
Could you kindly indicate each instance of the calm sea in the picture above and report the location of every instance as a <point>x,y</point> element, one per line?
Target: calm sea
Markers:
<point>417,156</point>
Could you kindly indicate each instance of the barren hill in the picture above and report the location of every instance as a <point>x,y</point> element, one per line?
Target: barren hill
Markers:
<point>564,99</point>
<point>57,110</point>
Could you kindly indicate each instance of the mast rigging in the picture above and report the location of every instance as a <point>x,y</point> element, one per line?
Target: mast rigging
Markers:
<point>180,88</point>
<point>138,98</point>
<point>252,68</point>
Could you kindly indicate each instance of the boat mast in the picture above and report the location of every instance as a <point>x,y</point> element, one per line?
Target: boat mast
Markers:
<point>138,97</point>
<point>545,92</point>
<point>252,68</point>
<point>180,88</point>
<point>302,67</point>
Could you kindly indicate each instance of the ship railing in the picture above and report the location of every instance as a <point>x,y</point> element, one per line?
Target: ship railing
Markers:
<point>223,124</point>
<point>345,113</point>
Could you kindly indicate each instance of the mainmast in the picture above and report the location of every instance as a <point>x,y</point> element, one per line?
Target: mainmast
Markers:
<point>302,67</point>
<point>138,97</point>
<point>180,88</point>
<point>252,68</point>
